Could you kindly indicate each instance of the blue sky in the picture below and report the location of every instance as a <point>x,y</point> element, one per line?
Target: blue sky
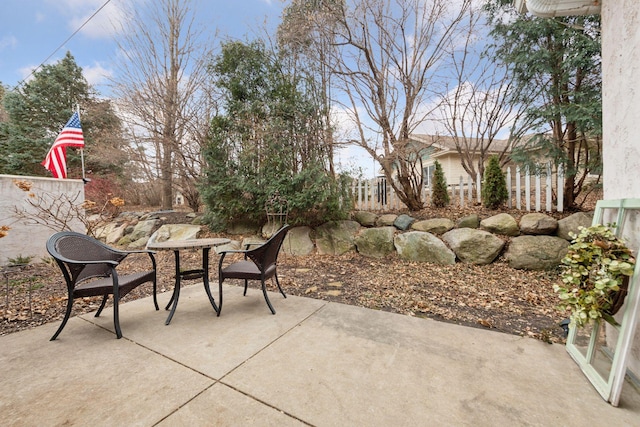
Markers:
<point>31,30</point>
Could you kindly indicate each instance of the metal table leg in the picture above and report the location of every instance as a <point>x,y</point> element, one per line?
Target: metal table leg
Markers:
<point>173,302</point>
<point>205,278</point>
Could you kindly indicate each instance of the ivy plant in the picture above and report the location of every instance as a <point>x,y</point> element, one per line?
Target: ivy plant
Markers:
<point>592,272</point>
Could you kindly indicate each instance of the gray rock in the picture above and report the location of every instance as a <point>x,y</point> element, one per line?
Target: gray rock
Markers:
<point>423,247</point>
<point>538,224</point>
<point>501,224</point>
<point>572,223</point>
<point>233,245</point>
<point>101,233</point>
<point>403,222</point>
<point>270,228</point>
<point>435,226</point>
<point>386,220</point>
<point>365,218</point>
<point>243,227</point>
<point>375,242</point>
<point>116,234</point>
<point>474,246</point>
<point>298,241</point>
<point>336,237</point>
<point>143,229</point>
<point>469,221</point>
<point>536,252</point>
<point>174,232</point>
<point>252,242</point>
<point>138,244</point>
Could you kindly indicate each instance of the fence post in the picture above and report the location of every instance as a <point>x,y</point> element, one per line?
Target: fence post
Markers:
<point>549,186</point>
<point>560,185</point>
<point>518,201</point>
<point>479,187</point>
<point>527,188</point>
<point>508,183</point>
<point>461,191</point>
<point>537,189</point>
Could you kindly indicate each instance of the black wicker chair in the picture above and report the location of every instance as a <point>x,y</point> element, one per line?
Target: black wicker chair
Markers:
<point>258,264</point>
<point>82,258</point>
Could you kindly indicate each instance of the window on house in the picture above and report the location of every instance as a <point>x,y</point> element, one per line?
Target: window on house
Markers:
<point>427,175</point>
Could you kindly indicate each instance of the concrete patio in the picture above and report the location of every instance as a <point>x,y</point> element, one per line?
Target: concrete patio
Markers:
<point>313,363</point>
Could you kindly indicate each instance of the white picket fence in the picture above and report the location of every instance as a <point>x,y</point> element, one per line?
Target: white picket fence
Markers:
<point>527,191</point>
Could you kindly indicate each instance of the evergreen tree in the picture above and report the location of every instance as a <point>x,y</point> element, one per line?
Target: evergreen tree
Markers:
<point>36,113</point>
<point>494,186</point>
<point>557,71</point>
<point>266,142</point>
<point>439,193</point>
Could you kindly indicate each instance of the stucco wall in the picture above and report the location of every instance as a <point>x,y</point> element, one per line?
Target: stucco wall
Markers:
<point>24,239</point>
<point>621,112</point>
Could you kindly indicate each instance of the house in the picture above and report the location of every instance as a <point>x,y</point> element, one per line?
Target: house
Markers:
<point>444,150</point>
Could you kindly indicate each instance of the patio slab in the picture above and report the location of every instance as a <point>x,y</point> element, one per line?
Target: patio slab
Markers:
<point>313,363</point>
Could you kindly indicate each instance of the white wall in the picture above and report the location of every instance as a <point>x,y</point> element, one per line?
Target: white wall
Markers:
<point>25,239</point>
<point>621,114</point>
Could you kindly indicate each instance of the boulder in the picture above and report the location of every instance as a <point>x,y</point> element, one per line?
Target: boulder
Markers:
<point>173,232</point>
<point>375,242</point>
<point>435,226</point>
<point>386,220</point>
<point>101,233</point>
<point>270,228</point>
<point>538,223</point>
<point>403,222</point>
<point>501,224</point>
<point>143,229</point>
<point>243,226</point>
<point>423,247</point>
<point>138,244</point>
<point>117,233</point>
<point>469,221</point>
<point>365,218</point>
<point>536,252</point>
<point>298,241</point>
<point>474,246</point>
<point>336,237</point>
<point>572,223</point>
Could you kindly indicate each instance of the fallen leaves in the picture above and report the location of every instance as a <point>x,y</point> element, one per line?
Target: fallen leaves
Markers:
<point>493,296</point>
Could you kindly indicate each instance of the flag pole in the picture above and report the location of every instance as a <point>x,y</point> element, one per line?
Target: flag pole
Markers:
<point>81,149</point>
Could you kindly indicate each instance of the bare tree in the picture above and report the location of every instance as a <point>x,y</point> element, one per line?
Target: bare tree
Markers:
<point>478,107</point>
<point>162,81</point>
<point>385,59</point>
<point>304,39</point>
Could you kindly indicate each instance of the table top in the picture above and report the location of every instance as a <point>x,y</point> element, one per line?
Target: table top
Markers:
<point>174,245</point>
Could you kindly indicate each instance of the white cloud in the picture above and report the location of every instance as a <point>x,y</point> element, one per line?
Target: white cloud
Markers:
<point>102,25</point>
<point>25,72</point>
<point>9,42</point>
<point>96,74</point>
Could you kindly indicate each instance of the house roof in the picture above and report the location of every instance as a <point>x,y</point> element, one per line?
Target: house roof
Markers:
<point>447,144</point>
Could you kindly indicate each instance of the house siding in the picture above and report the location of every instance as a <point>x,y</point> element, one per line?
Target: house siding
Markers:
<point>621,109</point>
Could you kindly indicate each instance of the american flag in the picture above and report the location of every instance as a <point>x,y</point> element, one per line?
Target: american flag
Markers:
<point>70,136</point>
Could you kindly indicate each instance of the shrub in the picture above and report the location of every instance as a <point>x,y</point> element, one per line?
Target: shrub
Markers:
<point>439,193</point>
<point>494,187</point>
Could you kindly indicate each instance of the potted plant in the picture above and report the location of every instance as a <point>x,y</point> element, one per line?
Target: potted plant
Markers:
<point>595,275</point>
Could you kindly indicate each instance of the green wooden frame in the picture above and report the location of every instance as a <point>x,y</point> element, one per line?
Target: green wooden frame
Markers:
<point>610,388</point>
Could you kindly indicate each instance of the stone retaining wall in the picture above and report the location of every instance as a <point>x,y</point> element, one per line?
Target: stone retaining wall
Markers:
<point>536,242</point>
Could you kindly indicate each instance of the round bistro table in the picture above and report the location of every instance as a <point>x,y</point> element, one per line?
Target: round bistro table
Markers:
<point>201,273</point>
